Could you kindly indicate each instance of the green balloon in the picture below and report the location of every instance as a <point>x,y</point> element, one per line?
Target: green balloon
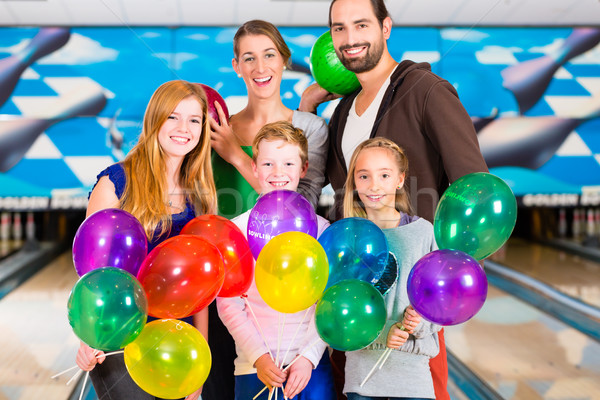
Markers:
<point>475,215</point>
<point>107,308</point>
<point>328,70</point>
<point>350,315</point>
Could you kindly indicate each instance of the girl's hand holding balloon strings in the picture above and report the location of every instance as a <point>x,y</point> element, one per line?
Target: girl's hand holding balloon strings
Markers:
<point>87,358</point>
<point>397,336</point>
<point>411,319</point>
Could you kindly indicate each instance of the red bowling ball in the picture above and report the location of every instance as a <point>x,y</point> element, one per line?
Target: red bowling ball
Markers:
<point>212,95</point>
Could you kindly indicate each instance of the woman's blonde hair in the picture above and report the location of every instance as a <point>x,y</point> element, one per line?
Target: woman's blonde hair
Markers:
<point>260,27</point>
<point>353,206</point>
<point>146,193</point>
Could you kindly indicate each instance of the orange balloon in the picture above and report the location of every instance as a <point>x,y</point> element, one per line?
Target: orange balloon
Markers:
<point>181,276</point>
<point>231,242</point>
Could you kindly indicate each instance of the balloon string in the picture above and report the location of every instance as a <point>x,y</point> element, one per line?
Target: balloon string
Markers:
<point>280,334</point>
<point>262,335</point>
<point>385,358</point>
<point>280,329</point>
<point>64,372</point>
<point>290,364</point>
<point>76,366</point>
<point>74,377</point>
<point>112,353</point>
<point>380,361</point>
<point>79,373</point>
<point>87,374</point>
<point>295,334</point>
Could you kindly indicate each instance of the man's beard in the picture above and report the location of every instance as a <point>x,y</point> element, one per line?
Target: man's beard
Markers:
<point>364,63</point>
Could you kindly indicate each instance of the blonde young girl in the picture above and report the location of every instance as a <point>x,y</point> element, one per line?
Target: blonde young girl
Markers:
<point>374,189</point>
<point>165,181</point>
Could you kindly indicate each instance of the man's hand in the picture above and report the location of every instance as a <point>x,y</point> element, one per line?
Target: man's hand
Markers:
<point>313,96</point>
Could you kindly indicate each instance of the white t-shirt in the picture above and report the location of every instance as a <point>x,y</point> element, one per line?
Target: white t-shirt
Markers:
<point>358,128</point>
<point>249,344</point>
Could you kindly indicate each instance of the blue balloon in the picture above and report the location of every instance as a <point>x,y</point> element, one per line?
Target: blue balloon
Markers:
<point>356,249</point>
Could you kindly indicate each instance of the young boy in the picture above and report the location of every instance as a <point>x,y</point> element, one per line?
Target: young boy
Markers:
<point>279,160</point>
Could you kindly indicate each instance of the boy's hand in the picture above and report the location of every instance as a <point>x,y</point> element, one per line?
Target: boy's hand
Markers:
<point>396,336</point>
<point>299,375</point>
<point>411,319</point>
<point>268,372</point>
<point>87,358</point>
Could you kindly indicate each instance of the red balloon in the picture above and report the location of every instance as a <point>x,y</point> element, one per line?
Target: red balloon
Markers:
<point>212,95</point>
<point>181,276</point>
<point>231,242</point>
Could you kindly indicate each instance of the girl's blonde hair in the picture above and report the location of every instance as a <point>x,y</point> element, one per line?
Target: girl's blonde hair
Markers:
<point>146,193</point>
<point>353,206</point>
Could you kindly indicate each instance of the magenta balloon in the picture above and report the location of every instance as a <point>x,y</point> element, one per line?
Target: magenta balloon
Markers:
<point>211,96</point>
<point>109,238</point>
<point>277,212</point>
<point>447,287</point>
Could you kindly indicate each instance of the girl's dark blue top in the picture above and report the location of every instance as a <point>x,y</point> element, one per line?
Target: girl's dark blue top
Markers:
<point>116,174</point>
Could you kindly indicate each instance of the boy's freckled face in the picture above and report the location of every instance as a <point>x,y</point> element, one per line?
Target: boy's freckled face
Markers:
<point>278,166</point>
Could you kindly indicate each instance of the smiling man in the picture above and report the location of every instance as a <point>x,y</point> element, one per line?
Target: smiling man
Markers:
<point>404,102</point>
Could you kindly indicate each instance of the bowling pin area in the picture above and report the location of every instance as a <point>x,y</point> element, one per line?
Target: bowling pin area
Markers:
<point>68,110</point>
<point>536,337</point>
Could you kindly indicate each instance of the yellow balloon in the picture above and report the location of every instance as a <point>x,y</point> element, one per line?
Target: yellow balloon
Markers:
<point>169,359</point>
<point>291,272</point>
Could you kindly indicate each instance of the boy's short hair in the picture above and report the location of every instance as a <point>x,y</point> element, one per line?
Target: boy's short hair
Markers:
<point>281,130</point>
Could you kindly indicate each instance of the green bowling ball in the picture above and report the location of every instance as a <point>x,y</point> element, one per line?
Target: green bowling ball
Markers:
<point>328,70</point>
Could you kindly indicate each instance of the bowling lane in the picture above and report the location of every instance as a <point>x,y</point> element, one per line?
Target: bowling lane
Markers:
<point>565,272</point>
<point>35,336</point>
<point>8,247</point>
<point>525,354</point>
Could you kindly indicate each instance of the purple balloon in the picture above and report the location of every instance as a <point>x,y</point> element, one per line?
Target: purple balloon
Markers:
<point>277,212</point>
<point>109,238</point>
<point>447,287</point>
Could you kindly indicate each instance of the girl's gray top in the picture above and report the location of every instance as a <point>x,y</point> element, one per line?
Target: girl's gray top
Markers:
<point>406,372</point>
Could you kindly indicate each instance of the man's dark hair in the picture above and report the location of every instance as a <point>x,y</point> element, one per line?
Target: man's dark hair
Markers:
<point>379,9</point>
